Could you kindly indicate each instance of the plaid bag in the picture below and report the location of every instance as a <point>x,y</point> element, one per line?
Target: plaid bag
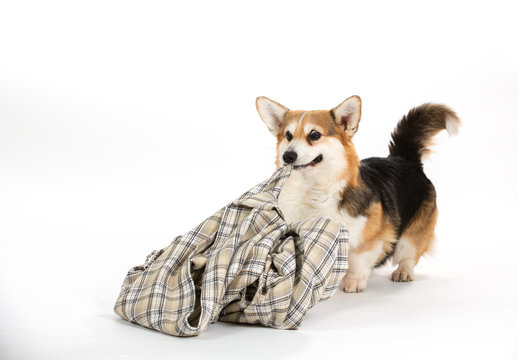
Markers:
<point>243,264</point>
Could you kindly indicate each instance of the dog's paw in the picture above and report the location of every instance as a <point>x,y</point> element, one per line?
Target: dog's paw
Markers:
<point>351,285</point>
<point>403,275</point>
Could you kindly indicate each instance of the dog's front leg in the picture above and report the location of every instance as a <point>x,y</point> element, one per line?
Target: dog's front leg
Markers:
<point>361,263</point>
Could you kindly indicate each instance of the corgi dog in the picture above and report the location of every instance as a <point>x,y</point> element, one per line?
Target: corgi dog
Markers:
<point>387,204</point>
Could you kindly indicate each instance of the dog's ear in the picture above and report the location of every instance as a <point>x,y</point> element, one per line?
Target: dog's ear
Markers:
<point>271,112</point>
<point>347,114</point>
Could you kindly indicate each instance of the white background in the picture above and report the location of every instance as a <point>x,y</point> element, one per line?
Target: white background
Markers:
<point>124,124</point>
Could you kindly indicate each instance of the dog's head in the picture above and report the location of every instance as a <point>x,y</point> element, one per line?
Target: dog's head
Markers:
<point>317,143</point>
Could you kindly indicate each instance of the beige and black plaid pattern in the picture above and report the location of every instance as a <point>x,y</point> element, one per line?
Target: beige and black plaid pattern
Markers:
<point>243,264</point>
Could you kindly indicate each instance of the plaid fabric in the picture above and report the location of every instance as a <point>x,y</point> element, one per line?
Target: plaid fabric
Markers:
<point>243,264</point>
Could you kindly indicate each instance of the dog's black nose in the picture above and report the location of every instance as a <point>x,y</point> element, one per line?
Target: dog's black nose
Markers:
<point>289,157</point>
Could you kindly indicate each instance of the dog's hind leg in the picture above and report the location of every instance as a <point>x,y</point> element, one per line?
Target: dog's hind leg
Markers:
<point>415,241</point>
<point>405,257</point>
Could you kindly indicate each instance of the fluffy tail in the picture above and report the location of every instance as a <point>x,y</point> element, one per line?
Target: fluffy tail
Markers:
<point>414,132</point>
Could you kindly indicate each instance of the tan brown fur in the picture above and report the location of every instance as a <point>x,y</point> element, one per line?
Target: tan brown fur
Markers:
<point>320,119</point>
<point>377,228</point>
<point>353,161</point>
<point>420,231</point>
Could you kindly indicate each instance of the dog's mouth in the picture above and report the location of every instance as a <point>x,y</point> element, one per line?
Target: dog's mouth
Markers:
<point>315,161</point>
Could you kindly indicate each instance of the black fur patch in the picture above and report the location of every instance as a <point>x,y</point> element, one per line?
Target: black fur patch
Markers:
<point>400,185</point>
<point>356,200</point>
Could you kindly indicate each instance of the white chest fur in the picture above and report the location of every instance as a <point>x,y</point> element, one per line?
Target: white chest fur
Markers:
<point>302,199</point>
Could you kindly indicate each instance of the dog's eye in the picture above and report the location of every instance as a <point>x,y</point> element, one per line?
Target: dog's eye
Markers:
<point>314,135</point>
<point>289,136</point>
